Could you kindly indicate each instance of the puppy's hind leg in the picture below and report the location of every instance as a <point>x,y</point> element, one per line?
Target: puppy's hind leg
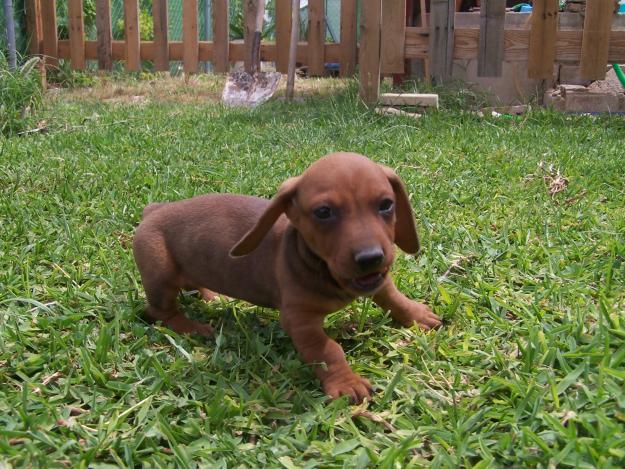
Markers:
<point>161,281</point>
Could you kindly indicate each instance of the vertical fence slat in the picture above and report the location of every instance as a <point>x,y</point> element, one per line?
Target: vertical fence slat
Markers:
<point>283,34</point>
<point>161,35</point>
<point>105,36</point>
<point>50,34</point>
<point>369,57</point>
<point>33,25</point>
<point>491,44</point>
<point>133,39</point>
<point>441,38</point>
<point>596,39</point>
<point>542,46</point>
<point>349,46</point>
<point>190,38</point>
<point>316,37</point>
<point>221,36</point>
<point>76,34</point>
<point>393,36</point>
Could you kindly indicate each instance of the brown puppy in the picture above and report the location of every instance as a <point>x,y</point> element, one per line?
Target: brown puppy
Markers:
<point>325,239</point>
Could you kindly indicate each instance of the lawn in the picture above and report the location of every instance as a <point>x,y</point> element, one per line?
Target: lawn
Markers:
<point>528,370</point>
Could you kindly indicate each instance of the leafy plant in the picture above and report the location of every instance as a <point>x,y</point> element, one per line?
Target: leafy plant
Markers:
<point>20,93</point>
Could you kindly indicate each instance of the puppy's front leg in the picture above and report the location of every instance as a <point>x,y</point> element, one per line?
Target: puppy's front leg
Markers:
<point>404,310</point>
<point>327,357</point>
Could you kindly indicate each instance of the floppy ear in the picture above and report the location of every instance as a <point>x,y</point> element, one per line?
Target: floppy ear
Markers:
<point>277,207</point>
<point>405,231</point>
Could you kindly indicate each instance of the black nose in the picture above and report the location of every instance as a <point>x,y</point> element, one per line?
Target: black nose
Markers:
<point>369,258</point>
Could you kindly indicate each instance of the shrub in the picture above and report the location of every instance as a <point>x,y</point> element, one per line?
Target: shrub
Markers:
<point>20,93</point>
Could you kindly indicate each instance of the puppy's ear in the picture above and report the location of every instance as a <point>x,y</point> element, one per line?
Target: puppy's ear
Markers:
<point>277,207</point>
<point>405,231</point>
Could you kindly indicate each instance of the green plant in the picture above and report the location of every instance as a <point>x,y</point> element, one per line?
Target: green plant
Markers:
<point>146,26</point>
<point>20,94</point>
<point>66,77</point>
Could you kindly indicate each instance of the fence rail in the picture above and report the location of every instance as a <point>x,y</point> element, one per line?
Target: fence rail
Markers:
<point>382,45</point>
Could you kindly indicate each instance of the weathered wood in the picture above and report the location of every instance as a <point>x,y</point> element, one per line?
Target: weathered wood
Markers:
<point>393,36</point>
<point>290,79</point>
<point>596,39</point>
<point>221,36</point>
<point>316,37</point>
<point>76,34</point>
<point>349,47</point>
<point>133,39</point>
<point>542,42</point>
<point>161,35</point>
<point>105,35</point>
<point>50,36</point>
<point>369,57</point>
<point>283,34</point>
<point>409,99</point>
<point>491,46</point>
<point>190,38</point>
<point>34,26</point>
<point>249,18</point>
<point>441,39</point>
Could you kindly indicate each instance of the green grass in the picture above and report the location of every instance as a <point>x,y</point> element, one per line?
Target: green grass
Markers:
<point>528,370</point>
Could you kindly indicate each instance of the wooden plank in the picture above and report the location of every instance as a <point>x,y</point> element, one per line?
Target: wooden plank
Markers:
<point>221,36</point>
<point>237,50</point>
<point>161,36</point>
<point>542,42</point>
<point>417,43</point>
<point>596,39</point>
<point>369,56</point>
<point>190,38</point>
<point>76,34</point>
<point>441,39</point>
<point>133,40</point>
<point>105,36</point>
<point>409,99</point>
<point>249,19</point>
<point>50,35</point>
<point>316,37</point>
<point>349,46</point>
<point>283,34</point>
<point>491,46</point>
<point>33,26</point>
<point>393,36</point>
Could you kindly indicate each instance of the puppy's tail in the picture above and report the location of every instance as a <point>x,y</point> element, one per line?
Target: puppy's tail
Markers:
<point>151,208</point>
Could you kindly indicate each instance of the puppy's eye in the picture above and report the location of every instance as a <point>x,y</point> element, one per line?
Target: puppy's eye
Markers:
<point>386,206</point>
<point>323,213</point>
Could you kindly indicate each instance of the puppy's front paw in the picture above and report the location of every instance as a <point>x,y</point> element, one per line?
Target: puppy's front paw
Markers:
<point>420,314</point>
<point>349,384</point>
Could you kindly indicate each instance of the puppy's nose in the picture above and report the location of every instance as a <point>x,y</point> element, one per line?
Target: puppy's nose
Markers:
<point>369,258</point>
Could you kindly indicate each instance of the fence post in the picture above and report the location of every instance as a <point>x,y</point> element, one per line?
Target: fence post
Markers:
<point>393,36</point>
<point>190,38</point>
<point>441,38</point>
<point>349,48</point>
<point>490,52</point>
<point>161,35</point>
<point>283,34</point>
<point>105,35</point>
<point>543,35</point>
<point>370,28</point>
<point>50,35</point>
<point>133,38</point>
<point>596,39</point>
<point>316,37</point>
<point>221,36</point>
<point>76,34</point>
<point>33,26</point>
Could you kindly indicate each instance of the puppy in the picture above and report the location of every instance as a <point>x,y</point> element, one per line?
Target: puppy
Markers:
<point>326,238</point>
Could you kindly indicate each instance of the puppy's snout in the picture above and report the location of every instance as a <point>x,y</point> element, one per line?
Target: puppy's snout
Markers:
<point>369,258</point>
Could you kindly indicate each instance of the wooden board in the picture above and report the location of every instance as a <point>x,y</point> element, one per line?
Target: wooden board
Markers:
<point>50,37</point>
<point>221,36</point>
<point>491,46</point>
<point>316,37</point>
<point>34,26</point>
<point>441,39</point>
<point>76,34</point>
<point>161,36</point>
<point>369,56</point>
<point>105,36</point>
<point>283,34</point>
<point>133,40</point>
<point>596,39</point>
<point>190,38</point>
<point>542,41</point>
<point>393,36</point>
<point>409,99</point>
<point>349,47</point>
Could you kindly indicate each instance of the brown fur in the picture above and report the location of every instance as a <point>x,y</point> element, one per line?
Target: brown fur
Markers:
<point>279,254</point>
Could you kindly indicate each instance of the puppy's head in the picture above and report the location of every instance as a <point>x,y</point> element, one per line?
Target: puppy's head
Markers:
<point>350,212</point>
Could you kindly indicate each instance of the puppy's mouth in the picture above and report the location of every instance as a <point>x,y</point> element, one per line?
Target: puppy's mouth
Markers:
<point>370,282</point>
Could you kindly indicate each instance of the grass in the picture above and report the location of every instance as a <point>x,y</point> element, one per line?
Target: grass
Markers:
<point>20,93</point>
<point>528,371</point>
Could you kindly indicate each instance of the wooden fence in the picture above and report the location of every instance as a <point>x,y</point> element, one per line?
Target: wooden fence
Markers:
<point>382,47</point>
